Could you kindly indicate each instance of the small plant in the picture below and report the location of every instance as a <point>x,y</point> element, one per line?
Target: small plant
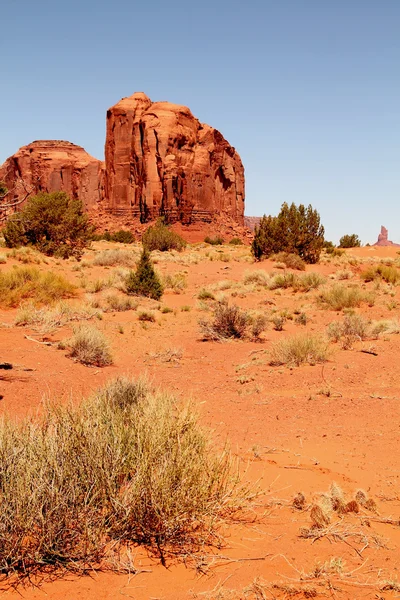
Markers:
<point>144,281</point>
<point>176,282</point>
<point>385,272</point>
<point>186,308</point>
<point>214,241</point>
<point>308,281</point>
<point>228,322</point>
<point>147,316</point>
<point>258,324</point>
<point>111,258</point>
<point>119,304</point>
<point>258,277</point>
<point>235,242</point>
<point>339,297</point>
<point>299,349</point>
<point>352,328</point>
<point>301,319</point>
<point>89,346</point>
<point>278,322</point>
<point>161,237</point>
<point>289,260</point>
<point>166,309</point>
<point>205,295</point>
<point>283,281</point>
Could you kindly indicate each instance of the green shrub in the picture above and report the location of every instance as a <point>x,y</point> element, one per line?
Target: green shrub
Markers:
<point>350,241</point>
<point>89,346</point>
<point>144,281</point>
<point>87,480</point>
<point>236,242</point>
<point>22,283</point>
<point>161,237</point>
<point>299,349</point>
<point>296,230</point>
<point>214,241</point>
<point>54,223</point>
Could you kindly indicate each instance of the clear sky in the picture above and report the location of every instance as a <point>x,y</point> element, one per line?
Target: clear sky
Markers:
<point>308,91</point>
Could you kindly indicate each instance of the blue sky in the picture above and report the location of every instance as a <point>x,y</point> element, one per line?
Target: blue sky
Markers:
<point>308,91</point>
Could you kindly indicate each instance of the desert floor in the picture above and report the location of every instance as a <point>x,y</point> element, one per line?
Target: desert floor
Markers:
<point>293,428</point>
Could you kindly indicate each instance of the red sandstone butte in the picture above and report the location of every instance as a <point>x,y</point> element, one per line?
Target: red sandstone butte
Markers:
<point>160,160</point>
<point>383,238</point>
<point>53,166</point>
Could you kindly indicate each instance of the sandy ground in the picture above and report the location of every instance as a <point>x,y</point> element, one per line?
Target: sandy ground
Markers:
<point>293,428</point>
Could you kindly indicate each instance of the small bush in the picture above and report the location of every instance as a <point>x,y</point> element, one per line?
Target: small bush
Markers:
<point>176,282</point>
<point>308,281</point>
<point>350,241</point>
<point>144,281</point>
<point>214,241</point>
<point>228,322</point>
<point>258,324</point>
<point>146,316</point>
<point>54,223</point>
<point>22,283</point>
<point>205,295</point>
<point>89,346</point>
<point>111,258</point>
<point>162,238</point>
<point>121,236</point>
<point>386,273</point>
<point>283,280</point>
<point>299,349</point>
<point>291,261</point>
<point>351,329</point>
<point>235,242</point>
<point>258,277</point>
<point>339,297</point>
<point>119,304</point>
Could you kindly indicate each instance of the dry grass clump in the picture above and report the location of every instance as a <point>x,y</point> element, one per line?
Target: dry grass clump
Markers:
<point>205,294</point>
<point>22,283</point>
<point>258,277</point>
<point>385,272</point>
<point>115,303</point>
<point>228,322</point>
<point>147,316</point>
<point>291,261</point>
<point>89,346</point>
<point>283,281</point>
<point>85,481</point>
<point>352,328</point>
<point>388,326</point>
<point>176,282</point>
<point>299,349</point>
<point>308,281</point>
<point>25,255</point>
<point>115,257</point>
<point>340,296</point>
<point>47,319</point>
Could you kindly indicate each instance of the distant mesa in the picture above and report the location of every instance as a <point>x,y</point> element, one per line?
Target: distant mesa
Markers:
<point>383,238</point>
<point>159,161</point>
<point>252,222</point>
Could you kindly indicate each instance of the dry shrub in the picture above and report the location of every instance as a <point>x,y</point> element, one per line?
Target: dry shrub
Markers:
<point>46,319</point>
<point>388,326</point>
<point>290,260</point>
<point>127,466</point>
<point>319,517</point>
<point>205,294</point>
<point>89,346</point>
<point>339,297</point>
<point>117,303</point>
<point>112,258</point>
<point>351,329</point>
<point>258,324</point>
<point>147,315</point>
<point>176,282</point>
<point>283,281</point>
<point>308,281</point>
<point>22,283</point>
<point>385,272</point>
<point>228,322</point>
<point>299,349</point>
<point>258,277</point>
<point>299,501</point>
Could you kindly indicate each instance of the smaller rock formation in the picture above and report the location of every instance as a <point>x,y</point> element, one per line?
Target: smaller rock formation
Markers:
<point>252,222</point>
<point>383,238</point>
<point>55,166</point>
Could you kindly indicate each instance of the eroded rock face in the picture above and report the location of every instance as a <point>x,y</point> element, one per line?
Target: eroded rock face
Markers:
<point>160,160</point>
<point>53,166</point>
<point>383,239</point>
<point>252,222</point>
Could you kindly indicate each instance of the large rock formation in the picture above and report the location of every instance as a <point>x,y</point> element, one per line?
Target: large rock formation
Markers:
<point>160,160</point>
<point>54,166</point>
<point>383,238</point>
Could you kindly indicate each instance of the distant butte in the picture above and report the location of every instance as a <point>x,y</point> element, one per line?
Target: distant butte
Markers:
<point>159,161</point>
<point>383,238</point>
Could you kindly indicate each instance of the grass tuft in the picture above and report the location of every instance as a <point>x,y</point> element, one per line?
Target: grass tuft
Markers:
<point>299,349</point>
<point>89,346</point>
<point>22,283</point>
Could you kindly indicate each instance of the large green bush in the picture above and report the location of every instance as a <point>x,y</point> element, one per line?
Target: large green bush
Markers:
<point>144,281</point>
<point>160,237</point>
<point>296,230</point>
<point>54,223</point>
<point>350,241</point>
